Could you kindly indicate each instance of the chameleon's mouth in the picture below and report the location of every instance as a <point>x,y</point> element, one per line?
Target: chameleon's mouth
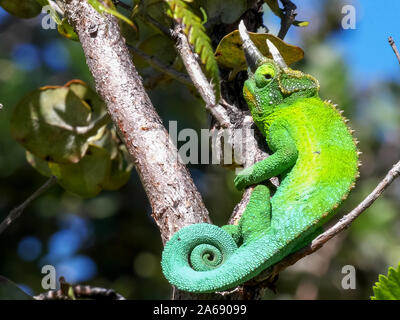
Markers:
<point>248,93</point>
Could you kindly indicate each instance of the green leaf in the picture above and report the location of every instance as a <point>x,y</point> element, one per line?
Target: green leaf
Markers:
<point>86,177</point>
<point>198,37</point>
<point>108,163</point>
<point>57,123</point>
<point>110,8</point>
<point>301,23</point>
<point>108,141</point>
<point>229,53</point>
<point>10,291</point>
<point>64,130</point>
<point>91,98</point>
<point>22,8</point>
<point>388,287</point>
<point>121,166</point>
<point>66,30</point>
<point>205,17</point>
<point>40,165</point>
<point>120,173</point>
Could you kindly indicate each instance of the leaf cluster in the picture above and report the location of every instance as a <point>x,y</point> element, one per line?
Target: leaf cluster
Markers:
<point>388,287</point>
<point>67,133</point>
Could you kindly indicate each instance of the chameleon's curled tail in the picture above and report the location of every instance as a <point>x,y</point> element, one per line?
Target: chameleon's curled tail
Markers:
<point>194,254</point>
<point>205,258</point>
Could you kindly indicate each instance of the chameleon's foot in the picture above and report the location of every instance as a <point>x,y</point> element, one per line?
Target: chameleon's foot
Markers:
<point>256,219</point>
<point>242,179</point>
<point>234,231</point>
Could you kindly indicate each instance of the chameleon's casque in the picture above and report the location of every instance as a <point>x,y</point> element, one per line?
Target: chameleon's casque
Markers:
<point>316,158</point>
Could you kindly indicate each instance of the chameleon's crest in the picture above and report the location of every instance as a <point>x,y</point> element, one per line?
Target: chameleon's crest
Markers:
<point>291,80</point>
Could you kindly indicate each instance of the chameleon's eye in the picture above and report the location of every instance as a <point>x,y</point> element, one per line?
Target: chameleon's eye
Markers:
<point>264,75</point>
<point>268,76</point>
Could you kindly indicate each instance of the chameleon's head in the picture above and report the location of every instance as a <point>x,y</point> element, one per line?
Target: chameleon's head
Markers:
<point>271,82</point>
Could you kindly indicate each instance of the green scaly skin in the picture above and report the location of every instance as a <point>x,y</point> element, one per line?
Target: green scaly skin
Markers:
<point>316,158</point>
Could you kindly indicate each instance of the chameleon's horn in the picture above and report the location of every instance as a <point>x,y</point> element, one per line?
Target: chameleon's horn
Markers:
<point>276,55</point>
<point>253,56</point>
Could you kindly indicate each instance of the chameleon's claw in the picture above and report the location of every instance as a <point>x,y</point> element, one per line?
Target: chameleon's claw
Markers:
<point>241,180</point>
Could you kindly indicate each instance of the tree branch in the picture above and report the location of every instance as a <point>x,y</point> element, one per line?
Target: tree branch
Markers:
<point>160,27</point>
<point>287,18</point>
<point>205,89</point>
<point>199,79</point>
<point>250,146</point>
<point>394,47</point>
<point>174,199</point>
<point>16,212</point>
<point>122,5</point>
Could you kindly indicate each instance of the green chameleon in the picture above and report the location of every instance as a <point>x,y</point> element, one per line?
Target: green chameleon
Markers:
<point>316,158</point>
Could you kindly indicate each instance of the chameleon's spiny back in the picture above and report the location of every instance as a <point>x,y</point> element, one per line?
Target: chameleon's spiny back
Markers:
<point>325,171</point>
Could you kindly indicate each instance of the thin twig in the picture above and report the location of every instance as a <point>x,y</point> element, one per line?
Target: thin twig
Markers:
<point>195,72</point>
<point>122,5</point>
<point>394,47</point>
<point>160,27</point>
<point>288,17</point>
<point>16,212</point>
<point>154,80</point>
<point>200,81</point>
<point>181,77</point>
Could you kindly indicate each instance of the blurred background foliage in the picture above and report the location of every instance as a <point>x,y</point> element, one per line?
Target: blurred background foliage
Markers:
<point>111,240</point>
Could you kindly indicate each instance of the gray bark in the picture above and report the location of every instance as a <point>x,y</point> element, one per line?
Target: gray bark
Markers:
<point>174,199</point>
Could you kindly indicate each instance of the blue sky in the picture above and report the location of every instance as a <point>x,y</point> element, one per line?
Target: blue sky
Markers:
<point>366,48</point>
